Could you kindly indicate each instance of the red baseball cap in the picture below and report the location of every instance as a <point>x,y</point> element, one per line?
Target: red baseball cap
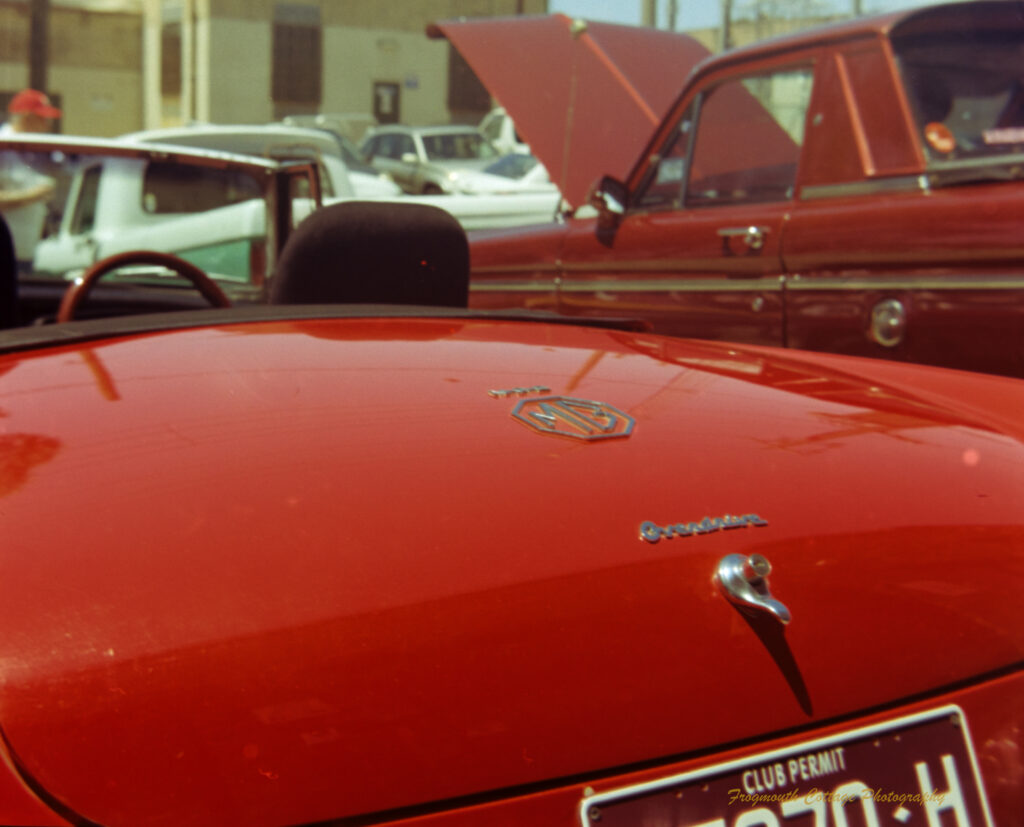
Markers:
<point>33,102</point>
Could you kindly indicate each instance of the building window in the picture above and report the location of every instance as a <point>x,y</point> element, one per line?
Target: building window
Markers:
<point>170,59</point>
<point>468,100</point>
<point>298,57</point>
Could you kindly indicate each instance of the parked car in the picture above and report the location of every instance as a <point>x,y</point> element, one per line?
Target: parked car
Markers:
<point>366,181</point>
<point>854,188</point>
<point>517,172</point>
<point>344,174</point>
<point>424,159</point>
<point>352,126</point>
<point>334,563</point>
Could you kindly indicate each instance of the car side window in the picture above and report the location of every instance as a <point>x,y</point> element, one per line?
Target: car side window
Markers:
<point>749,134</point>
<point>405,144</point>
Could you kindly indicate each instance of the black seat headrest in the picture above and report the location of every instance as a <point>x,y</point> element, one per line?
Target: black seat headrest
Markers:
<point>375,252</point>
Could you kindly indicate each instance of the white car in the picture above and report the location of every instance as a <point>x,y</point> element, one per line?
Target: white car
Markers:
<point>427,159</point>
<point>366,181</point>
<point>511,174</point>
<point>351,126</point>
<point>344,174</point>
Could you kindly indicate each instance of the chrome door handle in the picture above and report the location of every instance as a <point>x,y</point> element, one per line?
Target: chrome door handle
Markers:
<point>752,236</point>
<point>744,581</point>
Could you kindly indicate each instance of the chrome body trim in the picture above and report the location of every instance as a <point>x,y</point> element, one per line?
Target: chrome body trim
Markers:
<point>677,267</point>
<point>676,285</point>
<point>989,162</point>
<point>878,186</point>
<point>547,270</point>
<point>511,287</point>
<point>931,282</point>
<point>983,170</point>
<point>666,285</point>
<point>757,284</point>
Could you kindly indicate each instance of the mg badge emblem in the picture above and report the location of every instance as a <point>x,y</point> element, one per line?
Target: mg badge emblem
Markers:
<point>576,418</point>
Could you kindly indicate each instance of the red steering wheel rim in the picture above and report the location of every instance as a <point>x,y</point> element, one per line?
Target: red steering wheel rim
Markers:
<point>79,290</point>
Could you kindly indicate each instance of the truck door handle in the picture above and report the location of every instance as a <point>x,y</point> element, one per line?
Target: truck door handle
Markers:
<point>752,236</point>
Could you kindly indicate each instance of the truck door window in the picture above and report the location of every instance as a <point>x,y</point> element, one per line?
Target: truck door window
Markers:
<point>663,186</point>
<point>749,134</point>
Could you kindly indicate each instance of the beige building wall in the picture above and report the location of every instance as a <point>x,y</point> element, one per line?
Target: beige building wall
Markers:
<point>14,33</point>
<point>95,65</point>
<point>413,15</point>
<point>367,42</point>
<point>364,41</point>
<point>105,60</point>
<point>13,76</point>
<point>239,81</point>
<point>354,59</point>
<point>98,102</point>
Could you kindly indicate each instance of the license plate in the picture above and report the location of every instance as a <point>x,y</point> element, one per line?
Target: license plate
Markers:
<point>918,771</point>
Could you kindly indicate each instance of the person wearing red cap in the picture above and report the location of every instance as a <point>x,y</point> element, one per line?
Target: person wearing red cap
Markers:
<point>30,111</point>
<point>25,191</point>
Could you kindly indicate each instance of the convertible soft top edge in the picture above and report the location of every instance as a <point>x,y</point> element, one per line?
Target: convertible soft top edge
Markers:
<point>127,149</point>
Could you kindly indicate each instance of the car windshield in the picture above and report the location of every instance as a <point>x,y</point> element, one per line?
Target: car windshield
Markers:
<point>966,90</point>
<point>458,146</point>
<point>515,165</point>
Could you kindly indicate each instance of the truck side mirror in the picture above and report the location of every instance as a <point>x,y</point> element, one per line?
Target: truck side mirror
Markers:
<point>609,197</point>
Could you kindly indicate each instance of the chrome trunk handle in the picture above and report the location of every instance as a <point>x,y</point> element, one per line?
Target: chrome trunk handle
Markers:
<point>744,581</point>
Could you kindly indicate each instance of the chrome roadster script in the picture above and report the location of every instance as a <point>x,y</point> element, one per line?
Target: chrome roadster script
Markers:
<point>652,532</point>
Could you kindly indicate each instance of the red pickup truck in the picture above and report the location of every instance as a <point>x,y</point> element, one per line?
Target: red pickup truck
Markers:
<point>854,188</point>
